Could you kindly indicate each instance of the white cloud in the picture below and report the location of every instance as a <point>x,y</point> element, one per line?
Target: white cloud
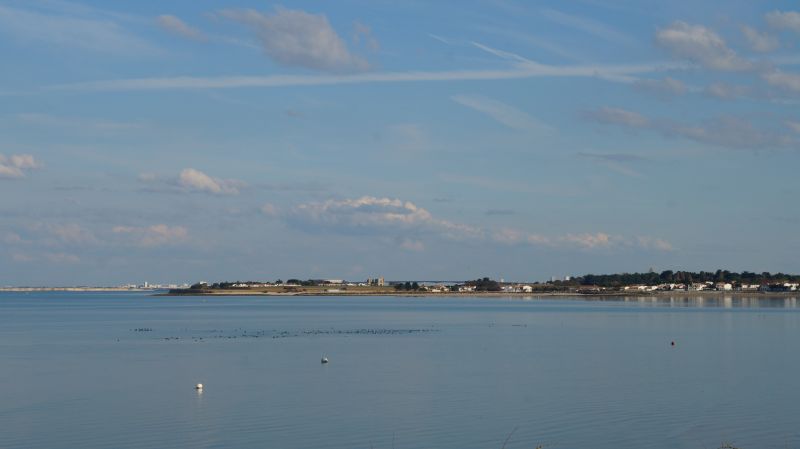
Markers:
<point>364,212</point>
<point>155,235</point>
<point>789,20</point>
<point>701,46</point>
<point>195,180</point>
<point>17,165</point>
<point>506,114</point>
<point>297,38</point>
<point>760,42</point>
<point>192,180</point>
<point>177,26</point>
<point>386,216</point>
<point>375,215</point>
<point>782,80</point>
<point>100,35</point>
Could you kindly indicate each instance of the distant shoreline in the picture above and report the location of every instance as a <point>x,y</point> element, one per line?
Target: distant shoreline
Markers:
<point>76,289</point>
<point>711,293</point>
<point>404,293</point>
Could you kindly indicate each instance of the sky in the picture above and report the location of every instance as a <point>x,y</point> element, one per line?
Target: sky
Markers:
<point>249,140</point>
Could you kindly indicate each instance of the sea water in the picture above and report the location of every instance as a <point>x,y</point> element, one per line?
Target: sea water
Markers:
<point>118,370</point>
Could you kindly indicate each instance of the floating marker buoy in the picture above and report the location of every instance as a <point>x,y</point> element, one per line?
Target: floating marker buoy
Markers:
<point>672,343</point>
<point>324,360</point>
<point>198,387</point>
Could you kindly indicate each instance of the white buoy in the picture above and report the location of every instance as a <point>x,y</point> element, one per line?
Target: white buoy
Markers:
<point>324,360</point>
<point>198,387</point>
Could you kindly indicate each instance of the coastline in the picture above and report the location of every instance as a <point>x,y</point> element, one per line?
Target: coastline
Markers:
<point>616,294</point>
<point>75,289</point>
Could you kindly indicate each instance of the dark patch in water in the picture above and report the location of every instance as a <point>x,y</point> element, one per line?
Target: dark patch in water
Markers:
<point>274,334</point>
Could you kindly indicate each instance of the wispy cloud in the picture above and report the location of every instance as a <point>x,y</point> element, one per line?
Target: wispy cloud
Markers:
<point>616,162</point>
<point>784,20</point>
<point>588,26</point>
<point>61,258</point>
<point>726,132</point>
<point>297,38</point>
<point>585,241</point>
<point>51,235</point>
<point>270,210</point>
<point>178,27</point>
<point>412,245</point>
<point>760,42</point>
<point>535,41</point>
<point>666,87</point>
<point>654,243</point>
<point>617,116</point>
<point>405,139</point>
<point>506,114</point>
<point>783,80</point>
<point>76,123</point>
<point>99,35</point>
<point>362,34</point>
<point>71,234</point>
<point>608,72</point>
<point>57,258</point>
<point>700,45</point>
<point>442,39</point>
<point>155,235</point>
<point>726,91</point>
<point>496,212</point>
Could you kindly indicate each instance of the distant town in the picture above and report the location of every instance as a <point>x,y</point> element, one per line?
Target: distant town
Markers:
<point>589,284</point>
<point>649,282</point>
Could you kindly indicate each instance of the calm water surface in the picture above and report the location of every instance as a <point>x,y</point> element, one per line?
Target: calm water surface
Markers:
<point>118,370</point>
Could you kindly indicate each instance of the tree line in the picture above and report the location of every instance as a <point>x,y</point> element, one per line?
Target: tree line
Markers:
<point>680,277</point>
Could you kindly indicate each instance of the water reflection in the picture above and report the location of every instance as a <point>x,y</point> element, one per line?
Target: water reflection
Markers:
<point>710,301</point>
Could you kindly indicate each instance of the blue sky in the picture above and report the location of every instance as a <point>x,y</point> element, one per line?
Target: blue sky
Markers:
<point>415,140</point>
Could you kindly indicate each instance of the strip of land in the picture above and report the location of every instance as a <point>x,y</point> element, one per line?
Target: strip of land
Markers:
<point>370,291</point>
